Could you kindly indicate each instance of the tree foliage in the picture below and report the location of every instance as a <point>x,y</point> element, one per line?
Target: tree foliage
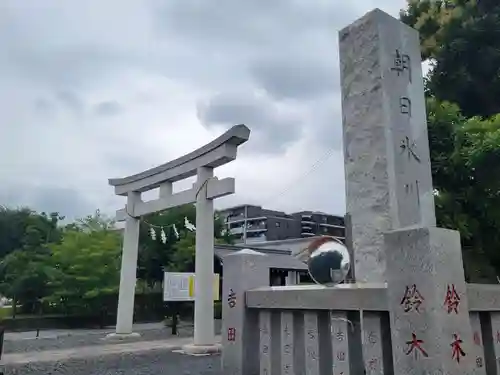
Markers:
<point>86,263</point>
<point>462,40</point>
<point>465,156</point>
<point>69,266</point>
<point>23,228</point>
<point>462,37</point>
<point>24,239</point>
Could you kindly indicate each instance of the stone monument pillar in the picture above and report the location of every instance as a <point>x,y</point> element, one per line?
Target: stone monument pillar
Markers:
<point>386,148</point>
<point>390,198</point>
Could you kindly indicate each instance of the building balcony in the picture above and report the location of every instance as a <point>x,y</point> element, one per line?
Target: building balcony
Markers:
<point>307,220</point>
<point>331,225</point>
<point>242,218</point>
<point>236,230</point>
<point>307,234</point>
<point>257,229</point>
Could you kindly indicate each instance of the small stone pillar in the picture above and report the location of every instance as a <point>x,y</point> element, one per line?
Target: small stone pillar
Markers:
<point>430,326</point>
<point>243,270</point>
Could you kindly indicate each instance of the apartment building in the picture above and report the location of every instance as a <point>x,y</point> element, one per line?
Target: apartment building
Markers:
<point>250,224</point>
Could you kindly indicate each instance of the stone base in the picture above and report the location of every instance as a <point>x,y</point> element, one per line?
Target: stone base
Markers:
<point>192,349</point>
<point>121,336</point>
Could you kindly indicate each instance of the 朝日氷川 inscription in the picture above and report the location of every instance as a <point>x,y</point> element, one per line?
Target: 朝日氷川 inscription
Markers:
<point>402,64</point>
<point>405,105</point>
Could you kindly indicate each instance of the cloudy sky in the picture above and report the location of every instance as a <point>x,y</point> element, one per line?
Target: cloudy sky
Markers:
<point>97,89</point>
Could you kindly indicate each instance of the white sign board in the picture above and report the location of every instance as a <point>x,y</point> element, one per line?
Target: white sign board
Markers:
<point>179,286</point>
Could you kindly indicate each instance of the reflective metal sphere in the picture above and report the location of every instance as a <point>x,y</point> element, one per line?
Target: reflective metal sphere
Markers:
<point>329,263</point>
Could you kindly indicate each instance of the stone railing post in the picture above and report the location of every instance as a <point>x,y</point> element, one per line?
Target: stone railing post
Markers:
<point>243,270</point>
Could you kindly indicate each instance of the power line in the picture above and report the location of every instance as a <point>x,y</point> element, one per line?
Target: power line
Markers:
<point>294,182</point>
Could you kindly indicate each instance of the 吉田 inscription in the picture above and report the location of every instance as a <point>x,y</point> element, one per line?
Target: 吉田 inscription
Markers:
<point>372,364</point>
<point>311,333</point>
<point>231,299</point>
<point>372,337</point>
<point>479,362</point>
<point>231,334</point>
<point>477,338</point>
<point>412,299</point>
<point>311,353</point>
<point>340,335</point>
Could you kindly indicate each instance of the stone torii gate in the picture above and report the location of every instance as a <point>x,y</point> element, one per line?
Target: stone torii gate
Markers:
<point>200,163</point>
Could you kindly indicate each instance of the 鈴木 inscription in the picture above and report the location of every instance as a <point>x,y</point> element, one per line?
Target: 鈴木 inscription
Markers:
<point>412,299</point>
<point>452,299</point>
<point>415,346</point>
<point>456,348</point>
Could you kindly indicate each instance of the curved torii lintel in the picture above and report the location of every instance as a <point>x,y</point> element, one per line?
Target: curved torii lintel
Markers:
<point>220,151</point>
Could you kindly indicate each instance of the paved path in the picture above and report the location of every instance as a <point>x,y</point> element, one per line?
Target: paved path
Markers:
<point>63,339</point>
<point>84,352</point>
<point>152,362</point>
<point>55,333</point>
<point>95,351</point>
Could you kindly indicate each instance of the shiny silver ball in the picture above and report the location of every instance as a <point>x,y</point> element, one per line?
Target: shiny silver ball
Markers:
<point>329,263</point>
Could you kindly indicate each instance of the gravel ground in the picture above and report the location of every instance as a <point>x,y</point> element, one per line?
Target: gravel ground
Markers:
<point>154,362</point>
<point>92,338</point>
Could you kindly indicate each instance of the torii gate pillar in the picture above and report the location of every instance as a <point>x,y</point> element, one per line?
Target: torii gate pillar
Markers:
<point>201,163</point>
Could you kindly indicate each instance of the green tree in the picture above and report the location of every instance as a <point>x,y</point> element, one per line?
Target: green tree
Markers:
<point>465,156</point>
<point>24,236</point>
<point>25,277</point>
<point>86,264</point>
<point>23,228</point>
<point>462,37</point>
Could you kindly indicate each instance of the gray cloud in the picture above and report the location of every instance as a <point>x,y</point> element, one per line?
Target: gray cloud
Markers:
<point>67,202</point>
<point>71,100</point>
<point>270,64</point>
<point>108,108</point>
<point>273,128</point>
<point>297,78</point>
<point>43,106</point>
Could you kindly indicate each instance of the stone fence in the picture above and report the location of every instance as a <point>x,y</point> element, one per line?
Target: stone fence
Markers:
<point>311,329</point>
